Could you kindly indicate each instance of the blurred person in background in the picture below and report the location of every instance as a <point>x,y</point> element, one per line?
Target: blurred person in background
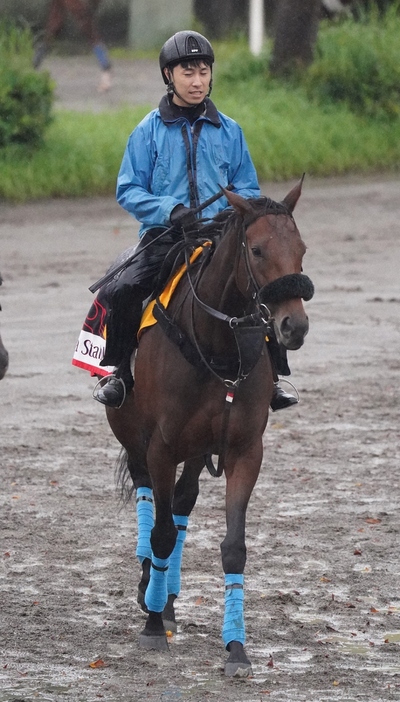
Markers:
<point>83,13</point>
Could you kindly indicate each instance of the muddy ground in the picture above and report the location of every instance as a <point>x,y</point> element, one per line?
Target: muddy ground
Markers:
<point>322,576</point>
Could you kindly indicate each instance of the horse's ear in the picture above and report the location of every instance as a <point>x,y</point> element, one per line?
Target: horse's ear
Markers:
<point>291,198</point>
<point>239,203</point>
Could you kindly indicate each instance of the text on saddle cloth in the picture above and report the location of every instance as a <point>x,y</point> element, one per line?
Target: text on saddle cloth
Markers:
<point>91,345</point>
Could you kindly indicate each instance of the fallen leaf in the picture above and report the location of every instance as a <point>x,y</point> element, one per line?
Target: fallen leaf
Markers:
<point>97,664</point>
<point>357,552</point>
<point>371,520</point>
<point>200,600</point>
<point>373,610</point>
<point>324,580</point>
<point>335,682</point>
<point>169,634</point>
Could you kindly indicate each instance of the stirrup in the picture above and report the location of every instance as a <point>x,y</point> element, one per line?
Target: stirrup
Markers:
<point>284,380</point>
<point>102,381</point>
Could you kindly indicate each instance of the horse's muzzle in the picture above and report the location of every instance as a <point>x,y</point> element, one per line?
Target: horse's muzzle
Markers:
<point>291,331</point>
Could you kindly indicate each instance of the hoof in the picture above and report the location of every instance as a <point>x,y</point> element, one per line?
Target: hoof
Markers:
<point>168,615</point>
<point>237,665</point>
<point>238,670</point>
<point>153,642</point>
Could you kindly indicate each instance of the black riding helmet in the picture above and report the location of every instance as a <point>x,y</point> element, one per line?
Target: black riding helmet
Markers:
<point>184,46</point>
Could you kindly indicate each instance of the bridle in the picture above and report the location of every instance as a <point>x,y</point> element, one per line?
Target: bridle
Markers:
<point>249,331</point>
<point>283,288</point>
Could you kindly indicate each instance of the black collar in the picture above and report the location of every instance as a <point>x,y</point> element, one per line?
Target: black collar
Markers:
<point>171,113</point>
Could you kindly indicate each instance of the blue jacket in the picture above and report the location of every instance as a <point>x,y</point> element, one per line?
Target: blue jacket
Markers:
<point>168,161</point>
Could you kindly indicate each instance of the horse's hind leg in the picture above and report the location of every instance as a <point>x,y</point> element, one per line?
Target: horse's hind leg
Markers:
<point>145,518</point>
<point>185,496</point>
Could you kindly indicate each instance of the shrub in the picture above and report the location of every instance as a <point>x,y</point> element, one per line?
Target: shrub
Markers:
<point>358,63</point>
<point>26,97</point>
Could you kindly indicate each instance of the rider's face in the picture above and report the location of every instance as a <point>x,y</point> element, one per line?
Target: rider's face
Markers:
<point>191,84</point>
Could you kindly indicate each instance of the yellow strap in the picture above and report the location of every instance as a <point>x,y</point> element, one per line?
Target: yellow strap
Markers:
<point>165,297</point>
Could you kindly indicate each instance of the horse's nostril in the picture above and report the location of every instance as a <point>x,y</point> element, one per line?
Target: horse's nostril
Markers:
<point>286,326</point>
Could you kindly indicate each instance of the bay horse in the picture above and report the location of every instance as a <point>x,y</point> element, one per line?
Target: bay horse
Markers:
<point>203,386</point>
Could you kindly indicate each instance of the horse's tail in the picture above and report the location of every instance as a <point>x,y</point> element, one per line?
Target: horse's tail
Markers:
<point>124,481</point>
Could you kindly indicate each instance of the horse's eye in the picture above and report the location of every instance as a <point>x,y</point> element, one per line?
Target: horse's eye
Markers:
<point>256,251</point>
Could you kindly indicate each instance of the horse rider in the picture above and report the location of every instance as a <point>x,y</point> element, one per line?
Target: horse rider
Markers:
<point>176,158</point>
<point>83,14</point>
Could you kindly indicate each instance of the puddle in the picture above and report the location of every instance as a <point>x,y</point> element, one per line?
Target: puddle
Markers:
<point>392,637</point>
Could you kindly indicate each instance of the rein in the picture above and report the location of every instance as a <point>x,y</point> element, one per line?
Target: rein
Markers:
<point>249,331</point>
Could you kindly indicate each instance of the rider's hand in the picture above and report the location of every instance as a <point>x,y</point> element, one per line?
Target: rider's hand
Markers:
<point>183,218</point>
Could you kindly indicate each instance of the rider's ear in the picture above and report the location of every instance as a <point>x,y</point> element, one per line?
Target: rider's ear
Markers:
<point>291,198</point>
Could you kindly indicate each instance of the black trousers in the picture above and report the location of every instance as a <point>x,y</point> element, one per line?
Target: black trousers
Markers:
<point>125,294</point>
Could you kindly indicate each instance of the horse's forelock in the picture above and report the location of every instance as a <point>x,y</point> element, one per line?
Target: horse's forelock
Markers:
<point>230,220</point>
<point>265,205</point>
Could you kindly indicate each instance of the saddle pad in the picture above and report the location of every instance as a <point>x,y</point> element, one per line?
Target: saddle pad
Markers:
<point>148,318</point>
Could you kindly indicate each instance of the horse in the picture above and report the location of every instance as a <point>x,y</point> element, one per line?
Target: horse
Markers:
<point>203,385</point>
<point>3,352</point>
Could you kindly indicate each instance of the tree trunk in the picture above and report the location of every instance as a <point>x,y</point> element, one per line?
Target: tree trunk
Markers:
<point>296,28</point>
<point>219,17</point>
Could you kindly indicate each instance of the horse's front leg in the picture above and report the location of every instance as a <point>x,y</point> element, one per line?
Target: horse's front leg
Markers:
<point>241,475</point>
<point>162,470</point>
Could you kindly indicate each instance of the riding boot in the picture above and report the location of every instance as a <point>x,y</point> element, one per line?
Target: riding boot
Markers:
<point>122,328</point>
<point>281,399</point>
<point>278,354</point>
<point>118,385</point>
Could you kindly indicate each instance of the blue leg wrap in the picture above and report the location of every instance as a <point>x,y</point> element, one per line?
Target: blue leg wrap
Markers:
<point>233,628</point>
<point>101,54</point>
<point>174,573</point>
<point>157,591</point>
<point>145,518</point>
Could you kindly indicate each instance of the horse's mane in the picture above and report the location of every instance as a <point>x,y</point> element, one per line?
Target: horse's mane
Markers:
<point>214,230</point>
<point>265,205</point>
<point>218,225</point>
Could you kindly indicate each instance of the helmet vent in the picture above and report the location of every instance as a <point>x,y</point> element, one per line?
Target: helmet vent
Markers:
<point>192,46</point>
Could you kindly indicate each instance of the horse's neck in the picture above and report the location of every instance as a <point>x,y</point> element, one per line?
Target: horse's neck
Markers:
<point>217,285</point>
<point>218,289</point>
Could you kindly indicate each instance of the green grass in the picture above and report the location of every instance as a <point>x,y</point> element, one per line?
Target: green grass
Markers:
<point>288,134</point>
<point>323,122</point>
<point>81,157</point>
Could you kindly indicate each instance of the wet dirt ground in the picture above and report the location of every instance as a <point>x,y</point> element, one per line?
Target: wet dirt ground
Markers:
<point>322,576</point>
